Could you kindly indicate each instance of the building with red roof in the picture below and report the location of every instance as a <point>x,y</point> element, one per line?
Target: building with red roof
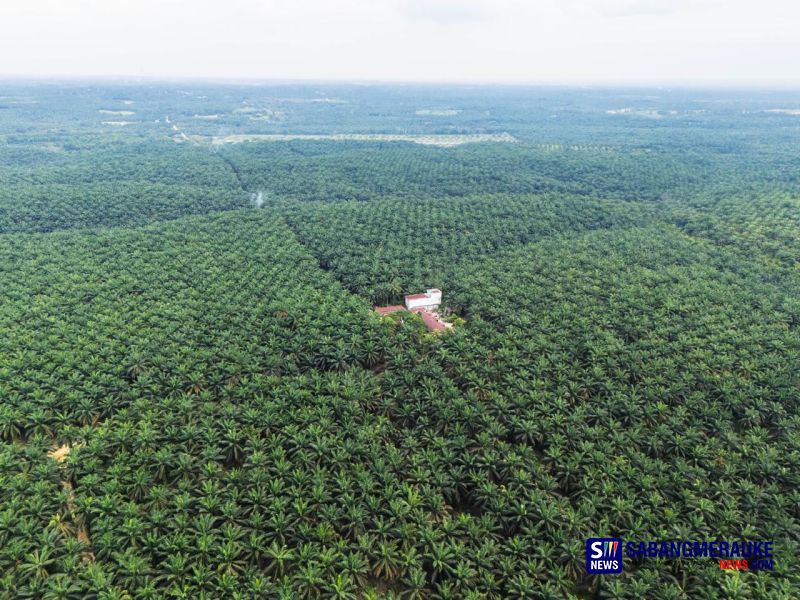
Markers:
<point>387,310</point>
<point>430,300</point>
<point>425,305</point>
<point>432,320</point>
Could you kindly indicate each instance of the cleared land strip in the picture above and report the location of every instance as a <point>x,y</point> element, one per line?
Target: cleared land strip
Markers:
<point>445,140</point>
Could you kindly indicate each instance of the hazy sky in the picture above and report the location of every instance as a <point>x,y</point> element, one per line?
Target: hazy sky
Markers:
<point>593,41</point>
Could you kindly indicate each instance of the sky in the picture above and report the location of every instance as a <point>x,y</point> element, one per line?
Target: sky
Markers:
<point>711,42</point>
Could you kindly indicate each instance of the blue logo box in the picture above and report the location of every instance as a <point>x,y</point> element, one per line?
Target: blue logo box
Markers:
<point>604,556</point>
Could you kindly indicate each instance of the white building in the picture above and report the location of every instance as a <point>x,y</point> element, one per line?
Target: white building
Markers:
<point>430,300</point>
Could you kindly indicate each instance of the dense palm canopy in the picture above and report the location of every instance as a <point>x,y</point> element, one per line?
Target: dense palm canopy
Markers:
<point>197,401</point>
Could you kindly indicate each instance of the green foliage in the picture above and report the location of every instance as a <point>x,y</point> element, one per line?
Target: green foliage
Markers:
<point>432,240</point>
<point>196,399</point>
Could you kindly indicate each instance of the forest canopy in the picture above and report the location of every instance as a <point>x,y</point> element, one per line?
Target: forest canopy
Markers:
<point>197,399</point>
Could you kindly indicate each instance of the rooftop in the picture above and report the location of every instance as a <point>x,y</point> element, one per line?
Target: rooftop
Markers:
<point>387,310</point>
<point>427,295</point>
<point>432,321</point>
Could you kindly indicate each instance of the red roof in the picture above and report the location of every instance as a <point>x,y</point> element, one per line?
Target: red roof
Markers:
<point>387,310</point>
<point>431,321</point>
<point>417,297</point>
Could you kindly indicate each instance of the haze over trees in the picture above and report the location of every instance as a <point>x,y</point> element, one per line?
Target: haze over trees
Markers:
<point>198,401</point>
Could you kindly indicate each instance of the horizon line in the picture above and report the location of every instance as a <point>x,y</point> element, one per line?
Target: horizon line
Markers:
<point>257,80</point>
